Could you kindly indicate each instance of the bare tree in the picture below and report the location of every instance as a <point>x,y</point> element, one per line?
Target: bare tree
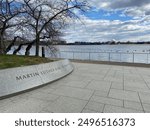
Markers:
<point>46,17</point>
<point>9,9</point>
<point>36,20</point>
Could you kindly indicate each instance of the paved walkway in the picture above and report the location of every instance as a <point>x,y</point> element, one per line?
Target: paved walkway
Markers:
<point>90,88</point>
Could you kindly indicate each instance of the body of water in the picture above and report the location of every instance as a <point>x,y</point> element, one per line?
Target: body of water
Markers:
<point>118,53</point>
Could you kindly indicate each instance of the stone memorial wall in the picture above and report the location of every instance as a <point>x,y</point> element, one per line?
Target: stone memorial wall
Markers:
<point>19,79</point>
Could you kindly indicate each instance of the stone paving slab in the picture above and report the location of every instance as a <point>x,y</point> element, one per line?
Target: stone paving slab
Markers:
<point>116,85</point>
<point>89,111</point>
<point>115,109</point>
<point>90,88</point>
<point>101,93</point>
<point>133,105</point>
<point>43,96</point>
<point>33,106</point>
<point>135,88</point>
<point>146,108</point>
<point>124,95</point>
<point>66,105</point>
<point>113,79</point>
<point>145,97</point>
<point>76,84</point>
<point>94,106</point>
<point>99,85</point>
<point>107,100</point>
<point>83,94</point>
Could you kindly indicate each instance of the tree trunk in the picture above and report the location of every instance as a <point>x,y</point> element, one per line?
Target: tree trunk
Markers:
<point>29,47</point>
<point>37,45</point>
<point>43,52</point>
<point>2,47</point>
<point>11,44</point>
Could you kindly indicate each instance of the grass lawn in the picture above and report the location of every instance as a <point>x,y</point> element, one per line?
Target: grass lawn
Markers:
<point>10,61</point>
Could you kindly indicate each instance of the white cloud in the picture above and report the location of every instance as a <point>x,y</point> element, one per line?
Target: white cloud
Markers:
<point>137,29</point>
<point>106,30</point>
<point>135,8</point>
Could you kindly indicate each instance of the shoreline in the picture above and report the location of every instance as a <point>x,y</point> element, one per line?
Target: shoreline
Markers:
<point>95,44</point>
<point>109,63</point>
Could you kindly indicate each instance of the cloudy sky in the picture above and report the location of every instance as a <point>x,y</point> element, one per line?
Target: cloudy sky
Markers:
<point>120,20</point>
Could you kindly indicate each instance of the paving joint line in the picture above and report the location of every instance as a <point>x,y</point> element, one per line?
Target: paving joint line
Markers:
<point>109,89</point>
<point>141,102</point>
<point>107,72</point>
<point>88,101</point>
<point>123,79</point>
<point>88,84</point>
<point>103,108</point>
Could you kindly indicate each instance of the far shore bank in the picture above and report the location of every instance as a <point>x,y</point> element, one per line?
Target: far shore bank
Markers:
<point>97,44</point>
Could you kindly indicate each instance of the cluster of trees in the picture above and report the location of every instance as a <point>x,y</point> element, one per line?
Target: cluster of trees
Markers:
<point>31,21</point>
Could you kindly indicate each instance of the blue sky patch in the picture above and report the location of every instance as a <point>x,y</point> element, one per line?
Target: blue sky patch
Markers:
<point>106,15</point>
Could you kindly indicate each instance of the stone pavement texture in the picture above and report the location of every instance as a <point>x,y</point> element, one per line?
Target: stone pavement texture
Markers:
<point>90,88</point>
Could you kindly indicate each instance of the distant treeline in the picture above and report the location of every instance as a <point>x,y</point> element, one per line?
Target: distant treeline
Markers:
<point>80,43</point>
<point>103,43</point>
